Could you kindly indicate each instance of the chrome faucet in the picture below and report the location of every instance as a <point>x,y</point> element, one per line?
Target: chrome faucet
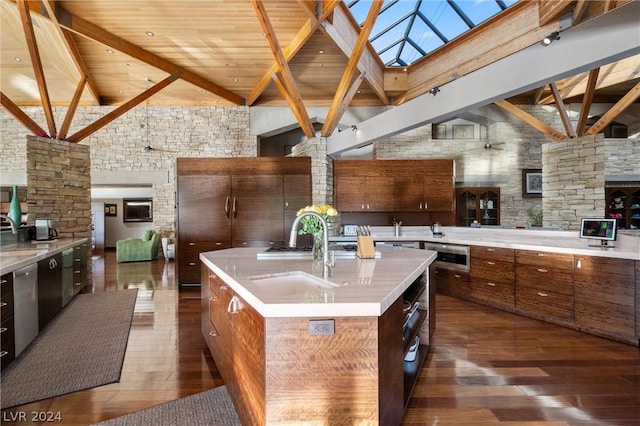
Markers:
<point>14,228</point>
<point>325,238</point>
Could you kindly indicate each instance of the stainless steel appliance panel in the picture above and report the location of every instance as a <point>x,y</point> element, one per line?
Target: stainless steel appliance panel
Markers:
<point>25,298</point>
<point>451,256</point>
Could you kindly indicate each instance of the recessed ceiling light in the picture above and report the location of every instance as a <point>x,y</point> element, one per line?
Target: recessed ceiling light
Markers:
<point>18,59</point>
<point>110,52</point>
<point>150,33</point>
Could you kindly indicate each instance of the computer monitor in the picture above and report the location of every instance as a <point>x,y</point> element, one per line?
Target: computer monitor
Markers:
<point>604,230</point>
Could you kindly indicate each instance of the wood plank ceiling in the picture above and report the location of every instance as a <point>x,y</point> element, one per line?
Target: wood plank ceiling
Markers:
<point>256,52</point>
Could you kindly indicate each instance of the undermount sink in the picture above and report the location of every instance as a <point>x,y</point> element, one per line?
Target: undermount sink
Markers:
<point>291,282</point>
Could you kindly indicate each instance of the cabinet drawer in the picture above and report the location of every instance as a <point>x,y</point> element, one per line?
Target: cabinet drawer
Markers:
<point>544,302</point>
<point>7,345</point>
<point>545,279</point>
<point>6,288</point>
<point>496,292</point>
<point>545,259</point>
<point>453,283</point>
<point>493,253</point>
<point>492,269</point>
<point>6,307</point>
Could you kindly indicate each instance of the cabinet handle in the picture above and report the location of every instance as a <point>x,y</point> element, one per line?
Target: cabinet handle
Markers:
<point>213,333</point>
<point>213,276</point>
<point>457,276</point>
<point>3,281</point>
<point>542,294</point>
<point>3,329</point>
<point>78,284</point>
<point>541,254</point>
<point>192,244</point>
<point>235,211</point>
<point>226,207</point>
<point>362,206</point>
<point>368,207</point>
<point>286,204</point>
<point>3,353</point>
<point>3,304</point>
<point>192,263</point>
<point>223,287</point>
<point>218,243</point>
<point>490,249</point>
<point>491,284</point>
<point>579,264</point>
<point>426,206</point>
<point>491,263</point>
<point>76,272</point>
<point>213,299</point>
<point>542,270</point>
<point>233,306</point>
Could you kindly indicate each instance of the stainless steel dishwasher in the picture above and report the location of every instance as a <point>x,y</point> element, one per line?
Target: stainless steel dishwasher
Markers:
<point>25,299</point>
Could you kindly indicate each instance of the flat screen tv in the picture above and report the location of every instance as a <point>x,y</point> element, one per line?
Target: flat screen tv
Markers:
<point>604,230</point>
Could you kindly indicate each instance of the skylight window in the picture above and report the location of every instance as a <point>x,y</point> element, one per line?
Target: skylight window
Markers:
<point>407,30</point>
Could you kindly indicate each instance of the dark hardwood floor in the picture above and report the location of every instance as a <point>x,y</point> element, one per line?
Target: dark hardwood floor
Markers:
<point>485,366</point>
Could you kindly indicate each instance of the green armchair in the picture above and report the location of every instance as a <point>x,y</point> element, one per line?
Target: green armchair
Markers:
<point>138,249</point>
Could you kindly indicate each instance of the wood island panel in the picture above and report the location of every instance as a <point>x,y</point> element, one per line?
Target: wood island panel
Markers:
<point>346,378</point>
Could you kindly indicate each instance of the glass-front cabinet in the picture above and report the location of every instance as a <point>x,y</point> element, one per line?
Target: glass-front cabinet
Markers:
<point>623,204</point>
<point>481,204</point>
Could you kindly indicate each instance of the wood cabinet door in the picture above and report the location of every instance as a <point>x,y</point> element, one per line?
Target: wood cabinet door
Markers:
<point>297,192</point>
<point>438,193</point>
<point>350,193</point>
<point>379,194</point>
<point>257,209</point>
<point>604,294</point>
<point>203,202</point>
<point>409,193</point>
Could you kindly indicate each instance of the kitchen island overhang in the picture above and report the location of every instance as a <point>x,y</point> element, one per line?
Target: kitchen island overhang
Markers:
<point>275,358</point>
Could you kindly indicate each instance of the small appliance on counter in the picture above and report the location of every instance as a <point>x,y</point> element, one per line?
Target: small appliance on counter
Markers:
<point>350,230</point>
<point>44,230</point>
<point>436,229</point>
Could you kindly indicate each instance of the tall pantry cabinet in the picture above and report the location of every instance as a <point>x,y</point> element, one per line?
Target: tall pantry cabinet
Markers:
<point>235,202</point>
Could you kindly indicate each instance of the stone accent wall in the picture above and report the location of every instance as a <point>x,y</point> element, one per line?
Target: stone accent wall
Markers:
<point>573,181</point>
<point>321,168</point>
<point>622,157</point>
<point>59,185</point>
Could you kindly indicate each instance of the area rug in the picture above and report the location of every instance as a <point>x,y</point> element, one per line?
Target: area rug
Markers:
<point>83,347</point>
<point>212,407</point>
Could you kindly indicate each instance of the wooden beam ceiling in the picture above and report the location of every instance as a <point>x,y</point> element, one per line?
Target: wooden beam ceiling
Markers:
<point>615,110</point>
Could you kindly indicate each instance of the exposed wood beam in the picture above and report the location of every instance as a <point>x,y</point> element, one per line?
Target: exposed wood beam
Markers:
<point>538,95</point>
<point>73,51</point>
<point>550,10</point>
<point>23,118</point>
<point>587,100</point>
<point>93,32</point>
<point>283,65</point>
<point>32,44</point>
<point>349,73</point>
<point>335,118</point>
<point>613,112</point>
<point>303,35</point>
<point>562,111</point>
<point>344,30</point>
<point>280,85</point>
<point>531,120</point>
<point>578,12</point>
<point>66,124</point>
<point>309,7</point>
<point>103,121</point>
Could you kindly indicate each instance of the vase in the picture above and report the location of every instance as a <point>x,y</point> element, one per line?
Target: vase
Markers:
<point>15,212</point>
<point>317,252</point>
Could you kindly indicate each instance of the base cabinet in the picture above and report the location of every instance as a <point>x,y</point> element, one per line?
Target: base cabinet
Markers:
<point>50,289</point>
<point>604,297</point>
<point>7,347</point>
<point>274,367</point>
<point>493,276</point>
<point>544,284</point>
<point>453,283</point>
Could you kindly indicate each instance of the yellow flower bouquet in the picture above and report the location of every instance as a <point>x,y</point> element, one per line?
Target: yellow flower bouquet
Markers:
<point>310,224</point>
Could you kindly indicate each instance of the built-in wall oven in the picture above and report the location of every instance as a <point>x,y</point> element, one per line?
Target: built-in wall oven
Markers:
<point>450,256</point>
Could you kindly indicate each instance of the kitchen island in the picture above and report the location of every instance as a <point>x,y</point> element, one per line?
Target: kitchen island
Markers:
<point>292,348</point>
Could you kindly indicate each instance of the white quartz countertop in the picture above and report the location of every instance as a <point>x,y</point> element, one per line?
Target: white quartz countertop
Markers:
<point>626,247</point>
<point>359,287</point>
<point>15,256</point>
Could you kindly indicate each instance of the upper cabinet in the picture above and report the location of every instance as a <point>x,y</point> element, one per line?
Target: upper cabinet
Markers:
<point>394,185</point>
<point>623,203</point>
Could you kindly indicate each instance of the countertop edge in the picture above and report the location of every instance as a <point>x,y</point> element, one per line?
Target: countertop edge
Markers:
<point>60,246</point>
